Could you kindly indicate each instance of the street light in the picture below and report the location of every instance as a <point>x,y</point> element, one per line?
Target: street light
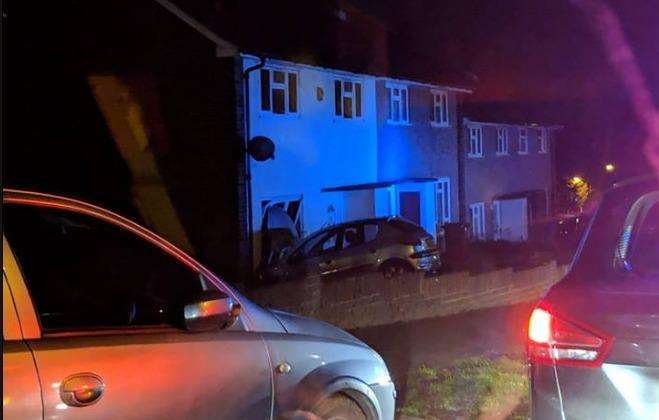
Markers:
<point>609,167</point>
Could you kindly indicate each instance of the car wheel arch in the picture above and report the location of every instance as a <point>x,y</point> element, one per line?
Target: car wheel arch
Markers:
<point>326,382</point>
<point>354,389</point>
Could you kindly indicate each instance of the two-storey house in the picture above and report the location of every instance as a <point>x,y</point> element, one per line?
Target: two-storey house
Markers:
<point>508,178</point>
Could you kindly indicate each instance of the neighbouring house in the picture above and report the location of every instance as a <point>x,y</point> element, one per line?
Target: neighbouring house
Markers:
<point>508,180</point>
<point>418,150</point>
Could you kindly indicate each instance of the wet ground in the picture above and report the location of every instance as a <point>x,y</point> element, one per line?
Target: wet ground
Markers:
<point>441,341</point>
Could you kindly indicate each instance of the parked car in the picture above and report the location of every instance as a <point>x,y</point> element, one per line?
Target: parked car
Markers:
<point>104,319</point>
<point>390,245</point>
<point>593,341</point>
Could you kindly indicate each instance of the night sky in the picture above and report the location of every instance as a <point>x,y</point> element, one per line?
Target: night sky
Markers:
<point>527,60</point>
<point>536,60</point>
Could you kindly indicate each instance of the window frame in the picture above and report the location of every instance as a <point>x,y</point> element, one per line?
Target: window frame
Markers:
<point>440,98</point>
<point>285,86</point>
<point>390,87</point>
<point>443,185</point>
<point>475,143</point>
<point>502,141</point>
<point>357,99</point>
<point>543,141</point>
<point>477,231</point>
<point>523,138</point>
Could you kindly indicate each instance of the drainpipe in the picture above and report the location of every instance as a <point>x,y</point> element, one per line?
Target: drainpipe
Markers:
<point>248,170</point>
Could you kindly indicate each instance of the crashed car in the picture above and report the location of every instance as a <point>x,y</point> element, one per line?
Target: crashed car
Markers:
<point>390,245</point>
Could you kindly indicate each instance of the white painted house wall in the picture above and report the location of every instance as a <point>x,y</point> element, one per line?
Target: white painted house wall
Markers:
<point>314,148</point>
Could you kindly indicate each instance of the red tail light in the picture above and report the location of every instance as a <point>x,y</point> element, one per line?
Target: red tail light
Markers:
<point>553,340</point>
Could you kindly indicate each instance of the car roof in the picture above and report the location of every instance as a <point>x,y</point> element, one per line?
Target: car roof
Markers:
<point>649,180</point>
<point>358,222</point>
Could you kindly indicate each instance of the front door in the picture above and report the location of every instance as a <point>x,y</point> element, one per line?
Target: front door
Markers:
<point>109,306</point>
<point>410,206</point>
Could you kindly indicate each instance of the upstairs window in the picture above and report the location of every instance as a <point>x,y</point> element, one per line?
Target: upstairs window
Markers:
<point>523,141</point>
<point>542,139</point>
<point>475,142</point>
<point>348,99</point>
<point>502,141</point>
<point>278,91</point>
<point>440,108</point>
<point>398,104</point>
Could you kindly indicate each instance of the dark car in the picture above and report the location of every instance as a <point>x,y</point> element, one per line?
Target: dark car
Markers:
<point>593,341</point>
<point>391,245</point>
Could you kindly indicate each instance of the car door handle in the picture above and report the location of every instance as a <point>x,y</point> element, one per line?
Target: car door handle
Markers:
<point>81,389</point>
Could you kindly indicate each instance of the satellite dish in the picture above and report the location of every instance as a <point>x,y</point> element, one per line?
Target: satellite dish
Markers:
<point>261,148</point>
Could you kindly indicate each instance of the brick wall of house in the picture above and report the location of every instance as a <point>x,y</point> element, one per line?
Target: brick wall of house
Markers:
<point>370,300</point>
<point>487,177</point>
<point>417,149</point>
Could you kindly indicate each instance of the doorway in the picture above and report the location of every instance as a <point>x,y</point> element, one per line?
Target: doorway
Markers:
<point>410,206</point>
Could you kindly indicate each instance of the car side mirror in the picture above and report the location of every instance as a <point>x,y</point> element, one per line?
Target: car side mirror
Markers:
<point>210,310</point>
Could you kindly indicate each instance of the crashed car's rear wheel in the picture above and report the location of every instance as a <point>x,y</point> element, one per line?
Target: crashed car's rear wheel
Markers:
<point>339,407</point>
<point>390,269</point>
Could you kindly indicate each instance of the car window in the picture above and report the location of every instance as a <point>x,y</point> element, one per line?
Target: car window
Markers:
<point>371,231</point>
<point>353,236</point>
<point>308,245</point>
<point>645,252</point>
<point>84,273</point>
<point>325,245</point>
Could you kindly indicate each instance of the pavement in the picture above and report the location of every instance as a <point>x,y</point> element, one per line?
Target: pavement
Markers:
<point>441,341</point>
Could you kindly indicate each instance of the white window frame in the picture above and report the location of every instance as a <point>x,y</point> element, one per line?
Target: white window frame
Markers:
<point>402,104</point>
<point>440,101</point>
<point>542,139</point>
<point>475,141</point>
<point>443,187</point>
<point>502,141</point>
<point>285,87</point>
<point>523,140</point>
<point>477,226</point>
<point>351,95</point>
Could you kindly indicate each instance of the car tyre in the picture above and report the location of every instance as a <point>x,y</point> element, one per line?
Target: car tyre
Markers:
<point>391,269</point>
<point>339,407</point>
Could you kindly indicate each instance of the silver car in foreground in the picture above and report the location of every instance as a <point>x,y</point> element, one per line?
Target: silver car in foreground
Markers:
<point>594,339</point>
<point>104,319</point>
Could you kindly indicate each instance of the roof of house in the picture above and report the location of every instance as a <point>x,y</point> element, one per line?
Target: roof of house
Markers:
<point>333,34</point>
<point>527,113</point>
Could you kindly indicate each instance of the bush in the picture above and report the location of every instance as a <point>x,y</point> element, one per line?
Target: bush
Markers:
<point>473,388</point>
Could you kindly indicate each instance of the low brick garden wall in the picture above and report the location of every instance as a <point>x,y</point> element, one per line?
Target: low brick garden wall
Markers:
<point>369,300</point>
